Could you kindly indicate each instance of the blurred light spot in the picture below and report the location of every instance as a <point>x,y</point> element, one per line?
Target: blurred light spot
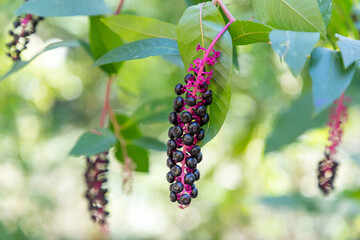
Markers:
<point>54,58</point>
<point>144,218</point>
<point>28,87</point>
<point>28,126</point>
<point>35,45</point>
<point>254,150</point>
<point>228,175</point>
<point>71,88</point>
<point>289,84</point>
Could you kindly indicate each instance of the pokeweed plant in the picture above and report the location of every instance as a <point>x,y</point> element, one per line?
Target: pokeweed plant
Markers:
<point>204,38</point>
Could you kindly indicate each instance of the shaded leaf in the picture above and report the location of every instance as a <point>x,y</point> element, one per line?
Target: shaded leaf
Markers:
<point>149,143</point>
<point>102,40</point>
<point>248,32</point>
<point>350,50</point>
<point>325,7</point>
<point>90,143</point>
<point>294,122</point>
<point>138,155</point>
<point>302,16</point>
<point>20,64</point>
<point>293,47</point>
<point>62,8</point>
<point>194,2</point>
<point>329,78</point>
<point>132,28</point>
<point>212,24</point>
<point>139,49</point>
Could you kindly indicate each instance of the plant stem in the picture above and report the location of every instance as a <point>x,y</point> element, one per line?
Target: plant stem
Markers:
<point>226,11</point>
<point>118,9</point>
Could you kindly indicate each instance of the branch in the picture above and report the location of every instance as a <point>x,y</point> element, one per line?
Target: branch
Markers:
<point>118,9</point>
<point>226,11</point>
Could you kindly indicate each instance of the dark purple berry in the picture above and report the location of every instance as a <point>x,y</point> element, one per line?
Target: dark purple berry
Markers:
<point>177,187</point>
<point>171,132</point>
<point>190,101</point>
<point>178,104</point>
<point>191,162</point>
<point>188,139</point>
<point>190,178</point>
<point>177,131</point>
<point>179,89</point>
<point>194,192</point>
<point>170,163</point>
<point>208,101</point>
<point>175,170</point>
<point>205,119</point>
<point>185,117</point>
<point>173,197</point>
<point>204,86</point>
<point>169,153</point>
<point>199,158</point>
<point>207,94</point>
<point>171,144</point>
<point>194,128</point>
<point>195,151</point>
<point>173,118</point>
<point>201,135</point>
<point>200,111</point>
<point>178,156</point>
<point>187,77</point>
<point>170,178</point>
<point>196,173</point>
<point>185,199</point>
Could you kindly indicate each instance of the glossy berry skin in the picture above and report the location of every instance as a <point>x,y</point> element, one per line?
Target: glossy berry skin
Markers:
<point>200,111</point>
<point>199,158</point>
<point>185,199</point>
<point>201,135</point>
<point>177,187</point>
<point>177,156</point>
<point>194,128</point>
<point>194,192</point>
<point>195,151</point>
<point>170,163</point>
<point>208,101</point>
<point>171,144</point>
<point>170,178</point>
<point>179,89</point>
<point>170,132</point>
<point>205,119</point>
<point>178,104</point>
<point>173,197</point>
<point>191,162</point>
<point>188,139</point>
<point>173,118</point>
<point>187,77</point>
<point>190,101</point>
<point>190,178</point>
<point>207,94</point>
<point>175,170</point>
<point>185,117</point>
<point>169,153</point>
<point>196,173</point>
<point>177,131</point>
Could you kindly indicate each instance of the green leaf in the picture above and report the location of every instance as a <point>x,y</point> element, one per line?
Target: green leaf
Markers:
<point>194,2</point>
<point>130,132</point>
<point>132,28</point>
<point>18,65</point>
<point>293,47</point>
<point>325,7</point>
<point>102,40</point>
<point>63,8</point>
<point>294,122</point>
<point>212,24</point>
<point>350,50</point>
<point>329,78</point>
<point>139,49</point>
<point>249,32</point>
<point>138,155</point>
<point>295,15</point>
<point>149,143</point>
<point>291,201</point>
<point>90,143</point>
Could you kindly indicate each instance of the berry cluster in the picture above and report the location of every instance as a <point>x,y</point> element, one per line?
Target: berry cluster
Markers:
<point>189,115</point>
<point>23,27</point>
<point>326,174</point>
<point>95,176</point>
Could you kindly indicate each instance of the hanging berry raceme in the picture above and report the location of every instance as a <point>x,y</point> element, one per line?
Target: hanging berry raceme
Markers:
<point>24,26</point>
<point>190,114</point>
<point>95,177</point>
<point>328,166</point>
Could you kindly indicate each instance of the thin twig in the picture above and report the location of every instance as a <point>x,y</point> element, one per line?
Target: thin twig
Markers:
<point>118,9</point>
<point>225,10</point>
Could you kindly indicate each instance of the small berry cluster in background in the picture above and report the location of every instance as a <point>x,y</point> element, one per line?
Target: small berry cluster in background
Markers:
<point>327,167</point>
<point>189,115</point>
<point>95,177</point>
<point>23,27</point>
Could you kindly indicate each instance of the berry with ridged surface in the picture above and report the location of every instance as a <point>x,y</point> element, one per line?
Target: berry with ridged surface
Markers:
<point>194,128</point>
<point>185,199</point>
<point>178,156</point>
<point>188,139</point>
<point>191,162</point>
<point>200,111</point>
<point>178,104</point>
<point>201,135</point>
<point>179,89</point>
<point>185,117</point>
<point>176,170</point>
<point>195,151</point>
<point>189,178</point>
<point>177,187</point>
<point>173,197</point>
<point>173,118</point>
<point>194,192</point>
<point>176,131</point>
<point>170,178</point>
<point>196,173</point>
<point>171,144</point>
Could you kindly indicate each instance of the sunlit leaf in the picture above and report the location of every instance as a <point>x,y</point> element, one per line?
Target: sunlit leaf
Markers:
<point>248,32</point>
<point>149,143</point>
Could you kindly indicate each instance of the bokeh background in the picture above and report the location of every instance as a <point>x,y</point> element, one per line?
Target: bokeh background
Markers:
<point>244,194</point>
